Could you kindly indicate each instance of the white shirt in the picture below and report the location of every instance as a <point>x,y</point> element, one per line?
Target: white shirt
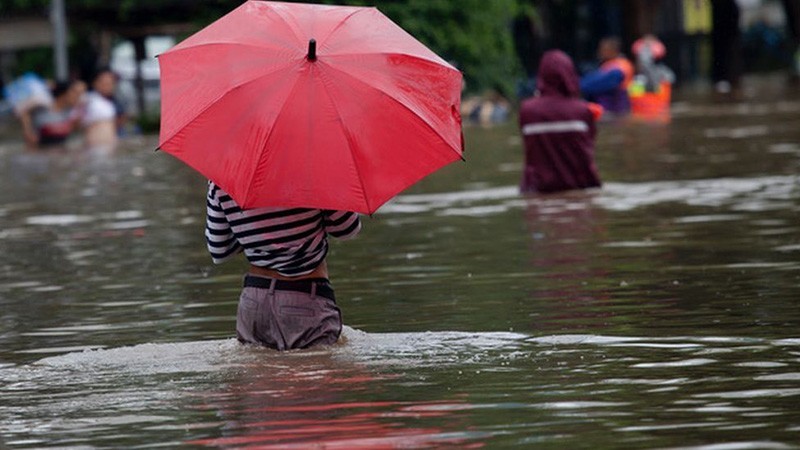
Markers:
<point>98,108</point>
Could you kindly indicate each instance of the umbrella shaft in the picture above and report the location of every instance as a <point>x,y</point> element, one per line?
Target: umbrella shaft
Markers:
<point>312,50</point>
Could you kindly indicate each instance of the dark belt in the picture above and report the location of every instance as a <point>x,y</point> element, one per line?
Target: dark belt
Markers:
<point>306,285</point>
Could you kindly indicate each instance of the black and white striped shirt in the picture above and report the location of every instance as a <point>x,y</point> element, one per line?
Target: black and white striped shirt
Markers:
<point>291,241</point>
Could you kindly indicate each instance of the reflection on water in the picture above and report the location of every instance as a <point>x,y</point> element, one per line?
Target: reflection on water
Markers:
<point>659,311</point>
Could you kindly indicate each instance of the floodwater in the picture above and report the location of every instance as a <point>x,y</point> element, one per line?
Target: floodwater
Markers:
<point>661,311</point>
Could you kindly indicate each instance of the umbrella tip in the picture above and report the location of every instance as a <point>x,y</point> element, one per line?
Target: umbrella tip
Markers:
<point>312,50</point>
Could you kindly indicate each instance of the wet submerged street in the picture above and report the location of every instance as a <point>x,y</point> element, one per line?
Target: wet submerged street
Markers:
<point>660,311</point>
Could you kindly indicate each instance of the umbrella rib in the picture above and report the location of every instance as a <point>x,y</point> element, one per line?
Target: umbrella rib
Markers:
<point>220,96</point>
<point>292,24</point>
<point>281,109</point>
<point>350,140</point>
<point>342,22</point>
<point>428,125</point>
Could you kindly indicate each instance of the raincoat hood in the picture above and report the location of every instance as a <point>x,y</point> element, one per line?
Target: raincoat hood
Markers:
<point>557,75</point>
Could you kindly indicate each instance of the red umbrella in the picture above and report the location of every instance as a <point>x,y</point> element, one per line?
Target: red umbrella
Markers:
<point>297,105</point>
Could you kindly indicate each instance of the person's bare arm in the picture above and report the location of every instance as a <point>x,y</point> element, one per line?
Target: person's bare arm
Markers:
<point>28,130</point>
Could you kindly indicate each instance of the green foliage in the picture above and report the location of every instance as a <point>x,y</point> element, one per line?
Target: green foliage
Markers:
<point>22,5</point>
<point>39,61</point>
<point>472,33</point>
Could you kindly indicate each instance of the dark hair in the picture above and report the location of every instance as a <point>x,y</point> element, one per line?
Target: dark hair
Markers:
<point>61,88</point>
<point>101,71</point>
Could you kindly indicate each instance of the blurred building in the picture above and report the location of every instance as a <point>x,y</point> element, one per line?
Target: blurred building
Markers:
<point>132,70</point>
<point>21,33</point>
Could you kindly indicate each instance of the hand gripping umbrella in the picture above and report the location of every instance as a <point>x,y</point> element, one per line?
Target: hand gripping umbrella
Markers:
<point>297,105</point>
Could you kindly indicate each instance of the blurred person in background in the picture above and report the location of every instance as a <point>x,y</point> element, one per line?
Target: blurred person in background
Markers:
<point>50,125</point>
<point>101,113</point>
<point>558,130</point>
<point>651,73</point>
<point>650,91</point>
<point>608,85</point>
<point>489,109</point>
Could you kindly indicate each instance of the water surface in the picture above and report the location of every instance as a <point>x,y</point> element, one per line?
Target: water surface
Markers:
<point>657,312</point>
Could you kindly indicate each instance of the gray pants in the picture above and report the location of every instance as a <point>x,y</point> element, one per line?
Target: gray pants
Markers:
<point>286,315</point>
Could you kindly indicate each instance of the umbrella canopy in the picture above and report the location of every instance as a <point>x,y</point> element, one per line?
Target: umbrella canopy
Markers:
<point>298,105</point>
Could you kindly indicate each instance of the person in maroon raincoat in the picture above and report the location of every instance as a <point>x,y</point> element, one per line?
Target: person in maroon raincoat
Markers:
<point>558,130</point>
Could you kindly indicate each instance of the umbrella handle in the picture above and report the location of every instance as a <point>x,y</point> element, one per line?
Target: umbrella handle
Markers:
<point>312,50</point>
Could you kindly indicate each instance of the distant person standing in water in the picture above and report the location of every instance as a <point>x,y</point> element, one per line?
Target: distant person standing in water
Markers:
<point>46,126</point>
<point>100,112</point>
<point>608,85</point>
<point>287,301</point>
<point>558,130</point>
